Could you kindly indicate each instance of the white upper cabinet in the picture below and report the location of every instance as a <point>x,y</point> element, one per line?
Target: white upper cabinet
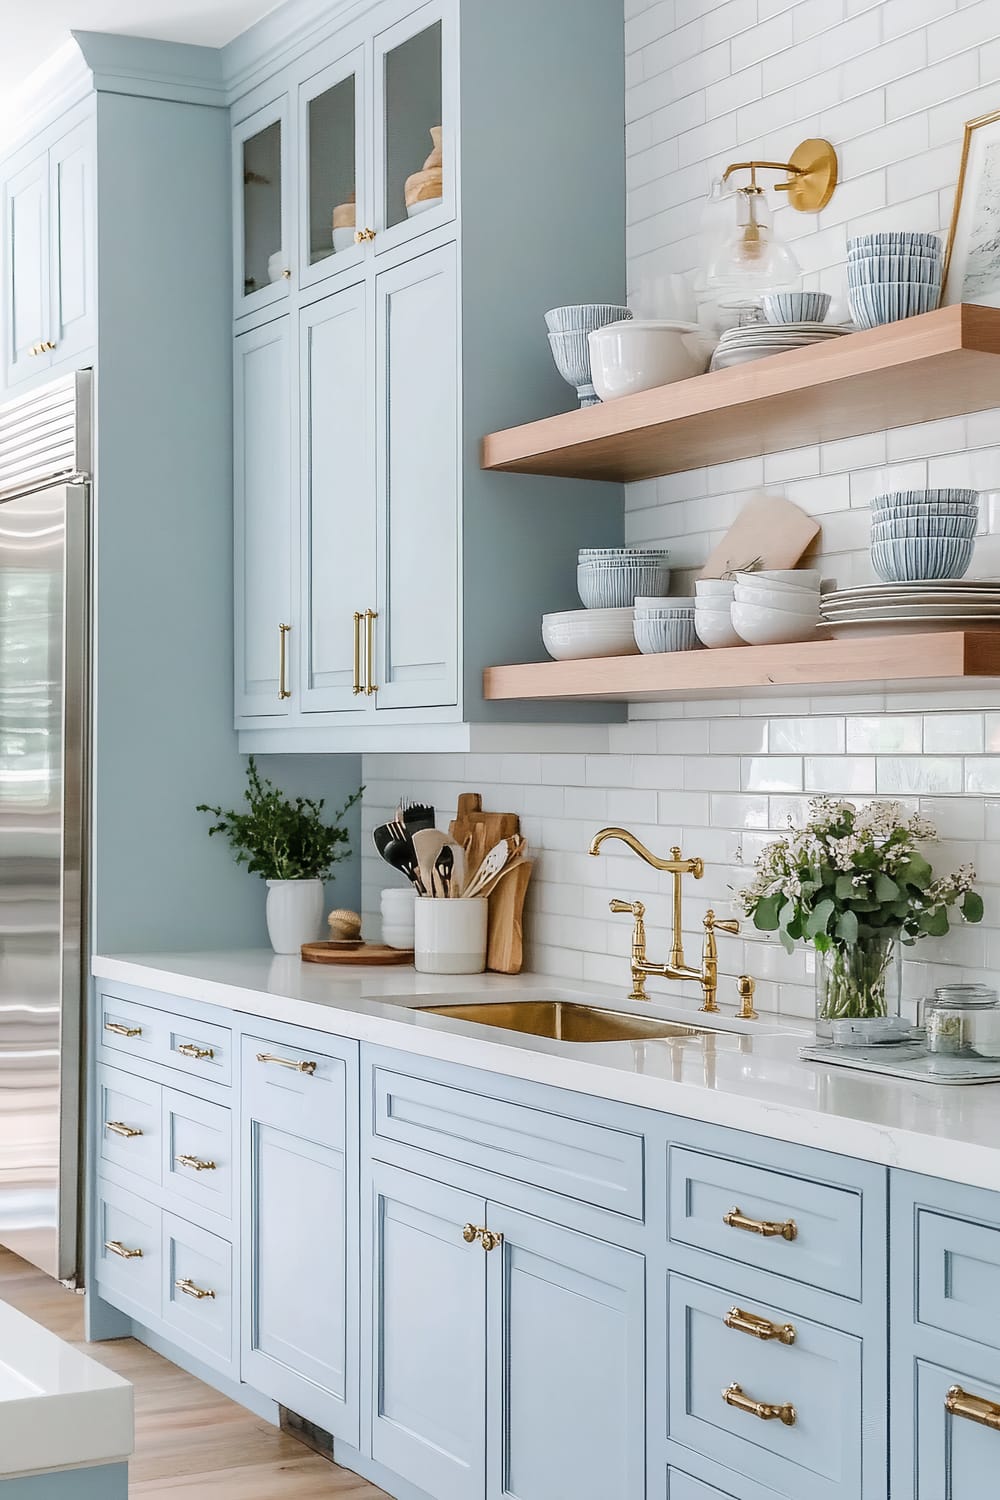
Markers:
<point>262,242</point>
<point>49,265</point>
<point>334,192</point>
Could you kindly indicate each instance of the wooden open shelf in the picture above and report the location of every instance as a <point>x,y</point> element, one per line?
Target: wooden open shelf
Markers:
<point>935,659</point>
<point>941,364</point>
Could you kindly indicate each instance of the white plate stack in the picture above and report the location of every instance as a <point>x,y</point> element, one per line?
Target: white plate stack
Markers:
<point>738,346</point>
<point>909,608</point>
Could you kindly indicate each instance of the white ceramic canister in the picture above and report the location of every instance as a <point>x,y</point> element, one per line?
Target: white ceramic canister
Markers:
<point>294,913</point>
<point>450,935</point>
<point>397,916</point>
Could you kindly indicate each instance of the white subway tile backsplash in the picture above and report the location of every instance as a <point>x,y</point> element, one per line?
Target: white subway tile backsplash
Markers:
<point>919,773</point>
<point>839,774</point>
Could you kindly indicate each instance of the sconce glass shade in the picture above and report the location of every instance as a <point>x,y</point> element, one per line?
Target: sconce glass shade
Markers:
<point>751,257</point>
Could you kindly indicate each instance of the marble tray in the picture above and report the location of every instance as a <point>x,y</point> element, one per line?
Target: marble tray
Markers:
<point>910,1061</point>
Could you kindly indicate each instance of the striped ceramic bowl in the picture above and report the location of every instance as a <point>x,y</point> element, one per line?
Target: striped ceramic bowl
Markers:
<point>880,302</point>
<point>895,242</point>
<point>912,559</point>
<point>949,497</point>
<point>933,526</point>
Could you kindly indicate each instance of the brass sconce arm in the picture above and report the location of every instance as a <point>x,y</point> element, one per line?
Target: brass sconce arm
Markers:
<point>812,175</point>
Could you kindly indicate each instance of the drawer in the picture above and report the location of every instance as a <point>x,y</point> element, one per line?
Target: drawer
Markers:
<point>592,1163</point>
<point>813,1447</point>
<point>683,1487</point>
<point>199,1049</point>
<point>296,1089</point>
<point>806,1231</point>
<point>128,1250</point>
<point>956,1456</point>
<point>958,1278</point>
<point>146,1034</point>
<point>198,1151</point>
<point>133,1029</point>
<point>128,1124</point>
<point>198,1291</point>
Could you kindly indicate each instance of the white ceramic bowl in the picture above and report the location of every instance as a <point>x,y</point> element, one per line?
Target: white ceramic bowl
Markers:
<point>573,635</point>
<point>674,633</point>
<point>639,355</point>
<point>343,239</point>
<point>651,604</point>
<point>714,588</point>
<point>276,265</point>
<point>714,627</point>
<point>801,578</point>
<point>606,585</point>
<point>797,604</point>
<point>760,626</point>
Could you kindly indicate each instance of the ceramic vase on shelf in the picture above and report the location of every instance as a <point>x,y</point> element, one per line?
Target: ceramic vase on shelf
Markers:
<point>857,981</point>
<point>294,913</point>
<point>424,189</point>
<point>345,217</point>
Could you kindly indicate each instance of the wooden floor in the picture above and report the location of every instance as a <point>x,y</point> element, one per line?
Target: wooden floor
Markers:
<point>189,1440</point>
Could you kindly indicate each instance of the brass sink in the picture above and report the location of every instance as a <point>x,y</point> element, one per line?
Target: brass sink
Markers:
<point>565,1020</point>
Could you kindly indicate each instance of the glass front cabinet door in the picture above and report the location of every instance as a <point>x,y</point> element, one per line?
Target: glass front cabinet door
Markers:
<point>333,194</point>
<point>414,176</point>
<point>262,240</point>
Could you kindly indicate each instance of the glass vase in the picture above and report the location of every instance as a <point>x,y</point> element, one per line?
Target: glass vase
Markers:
<point>857,981</point>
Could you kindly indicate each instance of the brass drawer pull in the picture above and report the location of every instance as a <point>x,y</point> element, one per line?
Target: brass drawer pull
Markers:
<point>195,1163</point>
<point>488,1238</point>
<point>190,1290</point>
<point>287,1062</point>
<point>188,1049</point>
<point>117,1248</point>
<point>357,687</point>
<point>127,1132</point>
<point>960,1403</point>
<point>760,1328</point>
<point>283,689</point>
<point>769,1228</point>
<point>119,1030</point>
<point>734,1395</point>
<point>371,686</point>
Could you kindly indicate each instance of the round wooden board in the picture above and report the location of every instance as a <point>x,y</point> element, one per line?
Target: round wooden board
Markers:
<point>367,953</point>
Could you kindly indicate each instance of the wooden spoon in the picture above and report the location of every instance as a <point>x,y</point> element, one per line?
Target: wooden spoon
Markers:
<point>500,855</point>
<point>427,845</point>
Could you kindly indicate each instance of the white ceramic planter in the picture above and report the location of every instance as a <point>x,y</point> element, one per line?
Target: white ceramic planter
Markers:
<point>450,935</point>
<point>294,913</point>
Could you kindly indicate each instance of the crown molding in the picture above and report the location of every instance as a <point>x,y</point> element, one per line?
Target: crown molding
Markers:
<point>153,70</point>
<point>280,37</point>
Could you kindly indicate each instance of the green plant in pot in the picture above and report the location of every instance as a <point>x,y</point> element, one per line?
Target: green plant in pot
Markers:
<point>288,843</point>
<point>855,882</point>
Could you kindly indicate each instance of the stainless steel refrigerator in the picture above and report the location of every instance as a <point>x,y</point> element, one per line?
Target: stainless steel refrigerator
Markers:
<point>45,468</point>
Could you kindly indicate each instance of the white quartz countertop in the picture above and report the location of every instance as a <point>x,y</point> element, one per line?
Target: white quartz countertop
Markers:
<point>747,1076</point>
<point>58,1409</point>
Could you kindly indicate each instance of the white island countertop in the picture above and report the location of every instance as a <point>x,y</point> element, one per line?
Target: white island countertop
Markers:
<point>58,1409</point>
<point>747,1076</point>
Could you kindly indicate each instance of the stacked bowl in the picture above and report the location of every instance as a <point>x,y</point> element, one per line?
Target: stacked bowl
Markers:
<point>924,534</point>
<point>568,330</point>
<point>893,275</point>
<point>777,606</point>
<point>713,607</point>
<point>611,577</point>
<point>665,625</point>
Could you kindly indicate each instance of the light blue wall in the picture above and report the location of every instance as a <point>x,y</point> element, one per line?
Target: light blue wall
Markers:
<point>164,696</point>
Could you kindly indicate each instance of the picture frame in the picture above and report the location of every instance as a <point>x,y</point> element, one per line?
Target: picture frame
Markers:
<point>972,258</point>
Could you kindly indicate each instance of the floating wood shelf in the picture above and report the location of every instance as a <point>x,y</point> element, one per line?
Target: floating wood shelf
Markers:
<point>941,364</point>
<point>936,659</point>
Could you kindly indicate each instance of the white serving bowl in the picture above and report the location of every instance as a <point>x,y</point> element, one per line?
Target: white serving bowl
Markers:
<point>760,626</point>
<point>646,604</point>
<point>714,628</point>
<point>714,588</point>
<point>800,578</point>
<point>641,354</point>
<point>573,635</point>
<point>801,604</point>
<point>792,594</point>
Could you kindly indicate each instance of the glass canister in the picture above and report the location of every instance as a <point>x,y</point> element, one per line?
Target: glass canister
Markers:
<point>963,1020</point>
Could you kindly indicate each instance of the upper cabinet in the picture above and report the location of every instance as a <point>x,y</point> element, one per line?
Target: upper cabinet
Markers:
<point>403,218</point>
<point>49,271</point>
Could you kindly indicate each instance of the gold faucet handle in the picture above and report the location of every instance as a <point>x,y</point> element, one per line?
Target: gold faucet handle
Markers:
<point>634,908</point>
<point>745,987</point>
<point>719,924</point>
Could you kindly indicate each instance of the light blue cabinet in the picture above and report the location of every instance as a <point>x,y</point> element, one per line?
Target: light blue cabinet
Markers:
<point>50,262</point>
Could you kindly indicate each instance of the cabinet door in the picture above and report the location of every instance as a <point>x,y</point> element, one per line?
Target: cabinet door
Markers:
<point>429,1317</point>
<point>263,520</point>
<point>415,72</point>
<point>26,273</point>
<point>956,1456</point>
<point>263,252</point>
<point>418,487</point>
<point>332,184</point>
<point>338,511</point>
<point>566,1339</point>
<point>72,187</point>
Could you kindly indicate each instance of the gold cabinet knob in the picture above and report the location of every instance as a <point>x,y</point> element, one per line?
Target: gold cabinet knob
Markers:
<point>286,275</point>
<point>363,236</point>
<point>470,1234</point>
<point>48,346</point>
<point>490,1239</point>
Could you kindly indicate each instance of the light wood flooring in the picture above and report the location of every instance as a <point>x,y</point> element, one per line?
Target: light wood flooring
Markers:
<point>189,1440</point>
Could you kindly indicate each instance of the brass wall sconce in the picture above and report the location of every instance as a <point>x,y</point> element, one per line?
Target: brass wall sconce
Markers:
<point>752,256</point>
<point>812,175</point>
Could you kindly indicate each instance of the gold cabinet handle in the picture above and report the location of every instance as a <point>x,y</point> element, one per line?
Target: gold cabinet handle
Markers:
<point>769,1228</point>
<point>470,1234</point>
<point>117,1248</point>
<point>188,1049</point>
<point>283,690</point>
<point>47,346</point>
<point>287,1062</point>
<point>363,236</point>
<point>127,1132</point>
<point>371,615</point>
<point>760,1328</point>
<point>195,1163</point>
<point>734,1395</point>
<point>358,617</point>
<point>961,1403</point>
<point>119,1030</point>
<point>490,1239</point>
<point>187,1286</point>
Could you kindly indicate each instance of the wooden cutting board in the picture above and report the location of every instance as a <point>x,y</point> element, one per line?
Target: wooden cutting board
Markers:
<point>768,527</point>
<point>505,942</point>
<point>483,829</point>
<point>367,953</point>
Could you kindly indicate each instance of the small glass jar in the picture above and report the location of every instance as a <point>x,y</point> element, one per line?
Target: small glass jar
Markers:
<point>963,1020</point>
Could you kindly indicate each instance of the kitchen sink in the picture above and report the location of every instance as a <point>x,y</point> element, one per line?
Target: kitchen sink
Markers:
<point>566,1020</point>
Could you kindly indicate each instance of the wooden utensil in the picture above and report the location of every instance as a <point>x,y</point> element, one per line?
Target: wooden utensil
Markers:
<point>427,845</point>
<point>481,829</point>
<point>500,855</point>
<point>505,934</point>
<point>459,871</point>
<point>490,884</point>
<point>767,527</point>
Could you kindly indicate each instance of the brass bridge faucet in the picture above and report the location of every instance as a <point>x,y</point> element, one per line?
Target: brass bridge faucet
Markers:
<point>675,967</point>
